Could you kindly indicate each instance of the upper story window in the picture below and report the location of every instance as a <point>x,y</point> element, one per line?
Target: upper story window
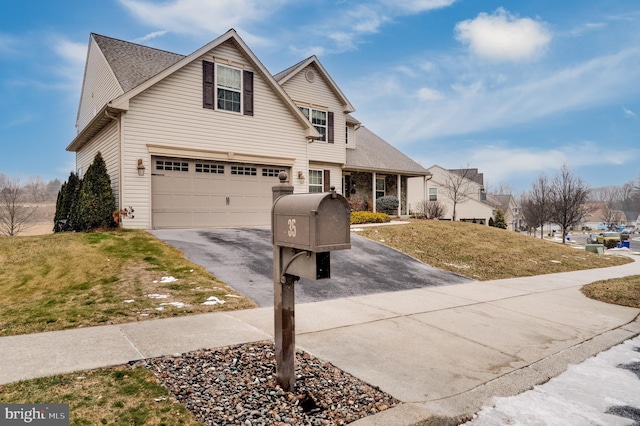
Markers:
<point>433,194</point>
<point>226,88</point>
<point>322,121</point>
<point>319,120</point>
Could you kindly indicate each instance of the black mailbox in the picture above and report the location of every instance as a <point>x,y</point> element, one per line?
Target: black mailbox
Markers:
<point>318,222</point>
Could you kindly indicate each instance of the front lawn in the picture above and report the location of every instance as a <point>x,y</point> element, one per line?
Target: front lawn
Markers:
<point>70,280</point>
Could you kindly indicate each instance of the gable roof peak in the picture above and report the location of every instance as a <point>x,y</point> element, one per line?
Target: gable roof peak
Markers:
<point>283,76</point>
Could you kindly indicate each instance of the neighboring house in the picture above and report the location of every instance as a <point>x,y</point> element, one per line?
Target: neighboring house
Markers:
<point>509,207</point>
<point>600,217</point>
<point>472,208</point>
<point>199,140</point>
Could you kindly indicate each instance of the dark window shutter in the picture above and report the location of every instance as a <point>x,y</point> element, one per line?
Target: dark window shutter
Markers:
<point>330,127</point>
<point>247,85</point>
<point>326,181</point>
<point>208,85</point>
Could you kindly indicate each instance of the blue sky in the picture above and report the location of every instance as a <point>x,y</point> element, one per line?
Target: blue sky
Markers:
<point>513,88</point>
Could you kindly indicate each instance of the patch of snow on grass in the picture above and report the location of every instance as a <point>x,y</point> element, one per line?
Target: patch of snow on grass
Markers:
<point>453,265</point>
<point>165,280</point>
<point>129,301</point>
<point>157,296</point>
<point>176,304</point>
<point>213,300</point>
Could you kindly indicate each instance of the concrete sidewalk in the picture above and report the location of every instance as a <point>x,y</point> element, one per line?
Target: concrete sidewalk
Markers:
<point>444,350</point>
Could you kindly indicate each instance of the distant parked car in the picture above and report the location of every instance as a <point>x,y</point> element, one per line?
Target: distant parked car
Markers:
<point>625,234</point>
<point>592,239</point>
<point>608,236</point>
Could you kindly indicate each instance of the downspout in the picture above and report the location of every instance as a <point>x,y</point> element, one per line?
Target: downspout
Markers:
<point>425,191</point>
<point>120,166</point>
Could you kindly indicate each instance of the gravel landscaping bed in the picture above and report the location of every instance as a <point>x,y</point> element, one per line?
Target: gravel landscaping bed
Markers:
<point>237,386</point>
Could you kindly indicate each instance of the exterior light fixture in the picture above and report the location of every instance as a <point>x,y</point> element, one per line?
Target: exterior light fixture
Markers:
<point>141,167</point>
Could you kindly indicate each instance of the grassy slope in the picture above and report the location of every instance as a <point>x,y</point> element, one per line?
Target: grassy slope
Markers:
<point>485,253</point>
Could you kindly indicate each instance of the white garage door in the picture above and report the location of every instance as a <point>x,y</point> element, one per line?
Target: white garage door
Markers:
<point>198,194</point>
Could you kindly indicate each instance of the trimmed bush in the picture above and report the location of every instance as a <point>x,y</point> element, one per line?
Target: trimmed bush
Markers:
<point>67,196</point>
<point>387,204</point>
<point>95,204</point>
<point>369,217</point>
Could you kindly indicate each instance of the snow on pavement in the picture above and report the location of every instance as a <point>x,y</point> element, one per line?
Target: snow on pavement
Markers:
<point>603,390</point>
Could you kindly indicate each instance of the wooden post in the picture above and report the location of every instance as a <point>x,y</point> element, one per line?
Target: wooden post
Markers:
<point>284,308</point>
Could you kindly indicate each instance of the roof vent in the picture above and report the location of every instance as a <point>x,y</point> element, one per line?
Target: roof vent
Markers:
<point>310,76</point>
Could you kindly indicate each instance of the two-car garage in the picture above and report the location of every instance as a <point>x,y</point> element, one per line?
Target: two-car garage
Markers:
<point>192,193</point>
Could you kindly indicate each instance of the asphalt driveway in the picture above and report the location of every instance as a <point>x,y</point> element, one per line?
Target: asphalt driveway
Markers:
<point>243,258</point>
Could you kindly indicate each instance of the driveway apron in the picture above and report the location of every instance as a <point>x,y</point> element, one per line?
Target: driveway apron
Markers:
<point>243,258</point>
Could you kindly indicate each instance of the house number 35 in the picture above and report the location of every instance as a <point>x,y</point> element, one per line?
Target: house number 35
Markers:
<point>292,228</point>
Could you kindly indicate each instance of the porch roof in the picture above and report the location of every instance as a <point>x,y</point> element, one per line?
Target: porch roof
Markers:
<point>374,154</point>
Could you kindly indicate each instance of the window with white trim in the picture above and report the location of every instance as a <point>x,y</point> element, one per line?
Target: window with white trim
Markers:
<point>316,183</point>
<point>228,88</point>
<point>433,194</point>
<point>319,120</point>
<point>380,187</point>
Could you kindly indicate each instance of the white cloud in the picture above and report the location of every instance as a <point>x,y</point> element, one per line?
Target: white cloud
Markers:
<point>500,161</point>
<point>150,36</point>
<point>8,44</point>
<point>628,113</point>
<point>475,106</point>
<point>586,28</point>
<point>503,37</point>
<point>348,28</point>
<point>427,94</point>
<point>71,67</point>
<point>25,118</point>
<point>417,6</point>
<point>194,17</point>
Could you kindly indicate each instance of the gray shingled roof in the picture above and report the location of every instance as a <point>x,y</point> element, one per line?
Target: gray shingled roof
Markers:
<point>282,74</point>
<point>373,153</point>
<point>471,174</point>
<point>133,64</point>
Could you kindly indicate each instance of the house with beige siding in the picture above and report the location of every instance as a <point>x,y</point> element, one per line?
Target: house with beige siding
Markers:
<point>510,209</point>
<point>436,187</point>
<point>199,140</point>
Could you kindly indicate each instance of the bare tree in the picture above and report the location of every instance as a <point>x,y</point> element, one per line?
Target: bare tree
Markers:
<point>15,215</point>
<point>503,188</point>
<point>536,208</point>
<point>568,195</point>
<point>431,209</point>
<point>35,188</point>
<point>610,197</point>
<point>459,186</point>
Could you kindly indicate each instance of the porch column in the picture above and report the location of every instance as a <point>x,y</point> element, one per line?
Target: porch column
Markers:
<point>373,195</point>
<point>399,196</point>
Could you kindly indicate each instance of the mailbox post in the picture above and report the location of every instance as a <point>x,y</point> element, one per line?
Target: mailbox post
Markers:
<point>305,228</point>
